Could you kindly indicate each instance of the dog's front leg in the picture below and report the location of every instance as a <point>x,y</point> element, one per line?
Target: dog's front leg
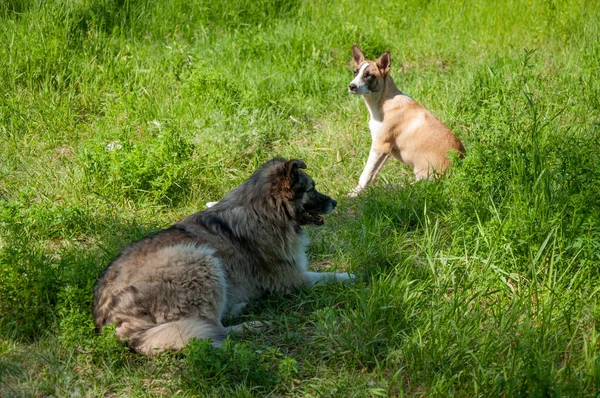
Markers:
<point>374,164</point>
<point>312,278</point>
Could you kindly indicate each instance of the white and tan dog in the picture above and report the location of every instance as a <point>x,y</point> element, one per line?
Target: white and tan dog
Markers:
<point>399,125</point>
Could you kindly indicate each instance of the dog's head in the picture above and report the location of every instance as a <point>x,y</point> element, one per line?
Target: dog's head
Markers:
<point>295,190</point>
<point>279,190</point>
<point>369,76</point>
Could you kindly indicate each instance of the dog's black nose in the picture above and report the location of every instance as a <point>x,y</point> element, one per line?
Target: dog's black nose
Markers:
<point>333,203</point>
<point>352,87</point>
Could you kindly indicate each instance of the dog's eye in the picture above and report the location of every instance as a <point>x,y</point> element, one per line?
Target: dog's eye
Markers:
<point>355,72</point>
<point>367,74</point>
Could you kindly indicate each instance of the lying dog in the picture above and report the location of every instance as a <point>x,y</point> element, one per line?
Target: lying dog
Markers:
<point>179,283</point>
<point>399,125</point>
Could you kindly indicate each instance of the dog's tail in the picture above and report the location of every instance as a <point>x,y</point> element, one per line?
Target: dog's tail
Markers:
<point>175,335</point>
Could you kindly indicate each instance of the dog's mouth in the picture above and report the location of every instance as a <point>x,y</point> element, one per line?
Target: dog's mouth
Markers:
<point>312,218</point>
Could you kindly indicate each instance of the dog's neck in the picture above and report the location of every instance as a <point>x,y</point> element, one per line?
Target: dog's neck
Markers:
<point>376,99</point>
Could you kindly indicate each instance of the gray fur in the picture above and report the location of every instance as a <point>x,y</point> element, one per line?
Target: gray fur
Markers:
<point>179,283</point>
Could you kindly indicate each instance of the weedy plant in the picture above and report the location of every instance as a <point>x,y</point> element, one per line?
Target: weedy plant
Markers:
<point>119,117</point>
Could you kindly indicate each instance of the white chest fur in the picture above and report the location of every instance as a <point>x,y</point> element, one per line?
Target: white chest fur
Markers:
<point>376,128</point>
<point>376,121</point>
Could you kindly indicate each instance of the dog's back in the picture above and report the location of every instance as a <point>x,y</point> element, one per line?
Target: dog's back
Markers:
<point>161,291</point>
<point>420,139</point>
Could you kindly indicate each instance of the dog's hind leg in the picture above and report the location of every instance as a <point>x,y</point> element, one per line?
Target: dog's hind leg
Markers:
<point>237,308</point>
<point>175,335</point>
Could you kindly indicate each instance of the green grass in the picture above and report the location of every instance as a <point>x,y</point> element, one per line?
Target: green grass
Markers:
<point>484,283</point>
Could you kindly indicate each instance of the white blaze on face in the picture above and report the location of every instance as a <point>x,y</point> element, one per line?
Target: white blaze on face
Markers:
<point>362,87</point>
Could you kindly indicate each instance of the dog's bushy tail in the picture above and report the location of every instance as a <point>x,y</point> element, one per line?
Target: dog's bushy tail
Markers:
<point>175,335</point>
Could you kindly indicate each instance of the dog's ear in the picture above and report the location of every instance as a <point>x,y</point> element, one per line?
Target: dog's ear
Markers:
<point>358,56</point>
<point>384,62</point>
<point>296,163</point>
<point>289,177</point>
<point>292,173</point>
<point>292,167</point>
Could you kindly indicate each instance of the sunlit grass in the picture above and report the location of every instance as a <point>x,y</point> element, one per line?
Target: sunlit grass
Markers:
<point>119,117</point>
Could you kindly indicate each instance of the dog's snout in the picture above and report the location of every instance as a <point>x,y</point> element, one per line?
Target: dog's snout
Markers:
<point>333,203</point>
<point>352,87</point>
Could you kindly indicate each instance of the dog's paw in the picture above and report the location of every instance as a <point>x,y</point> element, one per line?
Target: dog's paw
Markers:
<point>250,327</point>
<point>211,204</point>
<point>345,277</point>
<point>354,193</point>
<point>258,326</point>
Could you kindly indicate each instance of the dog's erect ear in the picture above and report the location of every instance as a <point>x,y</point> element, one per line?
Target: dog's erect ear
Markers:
<point>292,167</point>
<point>384,62</point>
<point>289,177</point>
<point>296,163</point>
<point>358,56</point>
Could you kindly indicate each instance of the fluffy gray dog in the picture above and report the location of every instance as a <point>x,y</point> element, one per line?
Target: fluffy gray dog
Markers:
<point>179,283</point>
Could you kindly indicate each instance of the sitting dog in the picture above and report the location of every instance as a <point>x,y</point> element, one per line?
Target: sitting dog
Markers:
<point>179,283</point>
<point>399,125</point>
